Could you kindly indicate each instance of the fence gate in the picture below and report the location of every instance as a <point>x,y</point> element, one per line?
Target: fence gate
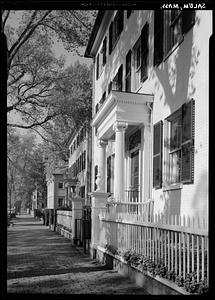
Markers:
<point>86,228</point>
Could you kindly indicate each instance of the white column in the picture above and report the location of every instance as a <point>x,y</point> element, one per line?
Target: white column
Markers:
<point>101,177</point>
<point>119,177</point>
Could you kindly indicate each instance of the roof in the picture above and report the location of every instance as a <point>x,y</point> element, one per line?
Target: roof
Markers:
<point>94,32</point>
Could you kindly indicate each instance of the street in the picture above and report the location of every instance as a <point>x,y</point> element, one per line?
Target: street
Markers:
<point>40,261</point>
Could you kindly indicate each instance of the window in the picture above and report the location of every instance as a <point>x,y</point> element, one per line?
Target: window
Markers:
<point>128,72</point>
<point>60,185</point>
<point>115,29</point>
<point>157,155</point>
<point>181,145</point>
<point>117,81</point>
<point>141,58</point>
<point>60,202</point>
<point>169,28</point>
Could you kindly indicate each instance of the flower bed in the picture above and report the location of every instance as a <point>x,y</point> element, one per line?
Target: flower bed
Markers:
<point>158,271</point>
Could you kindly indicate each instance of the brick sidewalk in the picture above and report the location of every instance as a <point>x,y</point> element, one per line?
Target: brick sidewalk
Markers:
<point>40,261</point>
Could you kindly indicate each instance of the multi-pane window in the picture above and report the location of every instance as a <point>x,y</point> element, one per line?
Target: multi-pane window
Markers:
<point>60,202</point>
<point>169,28</point>
<point>178,145</point>
<point>141,58</point>
<point>175,148</point>
<point>101,59</point>
<point>180,167</point>
<point>117,81</point>
<point>115,29</point>
<point>60,185</point>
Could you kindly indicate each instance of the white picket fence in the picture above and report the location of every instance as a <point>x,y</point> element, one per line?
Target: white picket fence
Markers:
<point>178,243</point>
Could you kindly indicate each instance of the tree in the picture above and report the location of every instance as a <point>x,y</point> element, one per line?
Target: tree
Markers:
<point>25,169</point>
<point>31,67</point>
<point>74,91</point>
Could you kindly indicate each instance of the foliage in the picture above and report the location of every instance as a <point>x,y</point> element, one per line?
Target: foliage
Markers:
<point>25,169</point>
<point>33,70</point>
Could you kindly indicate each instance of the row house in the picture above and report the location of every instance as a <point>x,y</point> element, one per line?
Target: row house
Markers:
<point>78,177</point>
<point>150,130</point>
<point>55,189</point>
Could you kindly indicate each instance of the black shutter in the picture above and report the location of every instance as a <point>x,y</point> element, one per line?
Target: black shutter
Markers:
<point>158,36</point>
<point>120,22</point>
<point>104,51</point>
<point>128,72</point>
<point>97,67</point>
<point>144,51</point>
<point>120,74</point>
<point>110,38</point>
<point>188,20</point>
<point>157,155</point>
<point>187,147</point>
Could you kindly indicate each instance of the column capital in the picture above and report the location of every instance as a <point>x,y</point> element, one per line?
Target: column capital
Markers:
<point>102,143</point>
<point>120,126</point>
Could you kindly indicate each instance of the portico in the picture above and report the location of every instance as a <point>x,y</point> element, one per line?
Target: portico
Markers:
<point>121,113</point>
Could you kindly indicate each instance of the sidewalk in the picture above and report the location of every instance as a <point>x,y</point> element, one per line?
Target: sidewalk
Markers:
<point>40,261</point>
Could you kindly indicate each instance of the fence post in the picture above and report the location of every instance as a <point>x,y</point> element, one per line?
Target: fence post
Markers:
<point>99,201</point>
<point>77,204</point>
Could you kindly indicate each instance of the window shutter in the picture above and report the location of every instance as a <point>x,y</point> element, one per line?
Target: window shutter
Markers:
<point>104,51</point>
<point>110,37</point>
<point>128,72</point>
<point>97,67</point>
<point>157,155</point>
<point>120,74</point>
<point>188,20</point>
<point>158,36</point>
<point>188,124</point>
<point>144,51</point>
<point>120,21</point>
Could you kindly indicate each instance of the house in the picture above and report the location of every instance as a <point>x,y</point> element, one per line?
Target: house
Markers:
<point>150,134</point>
<point>78,178</point>
<point>55,189</point>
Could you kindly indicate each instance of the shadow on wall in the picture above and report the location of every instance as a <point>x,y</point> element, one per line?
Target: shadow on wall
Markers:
<point>199,204</point>
<point>176,73</point>
<point>172,202</point>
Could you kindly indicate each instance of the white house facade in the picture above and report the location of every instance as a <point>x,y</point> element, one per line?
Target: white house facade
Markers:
<point>150,107</point>
<point>150,133</point>
<point>78,181</point>
<point>55,190</point>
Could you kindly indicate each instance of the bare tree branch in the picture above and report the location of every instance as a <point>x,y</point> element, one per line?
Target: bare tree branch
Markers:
<point>73,14</point>
<point>23,38</point>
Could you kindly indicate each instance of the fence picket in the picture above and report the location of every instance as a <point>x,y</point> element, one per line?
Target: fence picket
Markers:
<point>203,258</point>
<point>164,239</point>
